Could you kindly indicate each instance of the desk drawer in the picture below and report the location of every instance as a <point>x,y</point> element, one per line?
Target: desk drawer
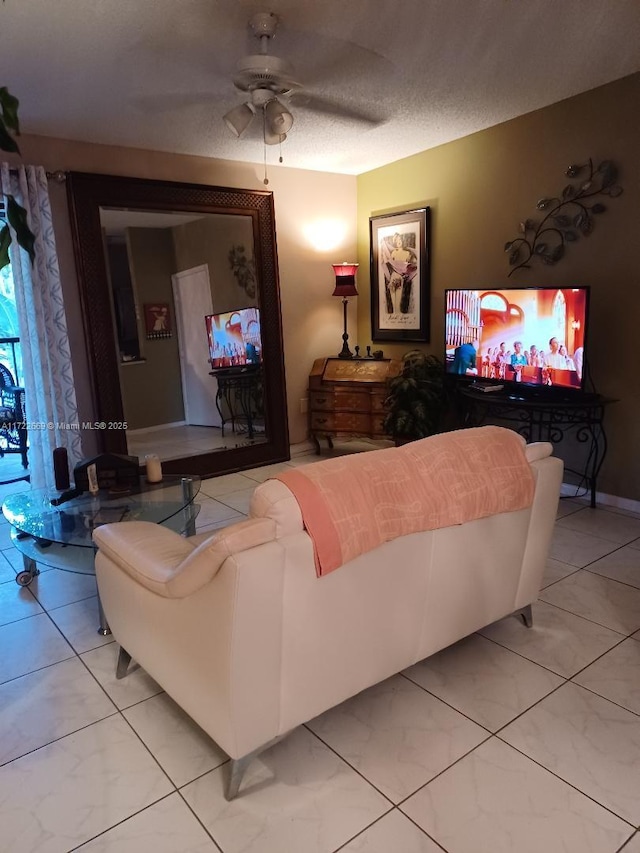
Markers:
<point>340,422</point>
<point>338,399</point>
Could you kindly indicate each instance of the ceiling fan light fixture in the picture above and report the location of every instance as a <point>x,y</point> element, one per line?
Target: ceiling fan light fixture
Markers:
<point>271,138</point>
<point>238,119</point>
<point>279,119</point>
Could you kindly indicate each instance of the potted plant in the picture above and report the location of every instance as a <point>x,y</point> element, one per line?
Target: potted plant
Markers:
<point>415,403</point>
<point>13,214</point>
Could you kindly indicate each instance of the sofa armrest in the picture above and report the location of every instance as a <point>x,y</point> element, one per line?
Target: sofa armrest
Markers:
<point>147,552</point>
<point>167,563</point>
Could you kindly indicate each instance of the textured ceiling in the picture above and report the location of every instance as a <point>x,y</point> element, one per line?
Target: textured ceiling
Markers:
<point>157,73</point>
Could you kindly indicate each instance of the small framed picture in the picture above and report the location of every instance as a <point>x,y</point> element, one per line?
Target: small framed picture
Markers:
<point>157,320</point>
<point>400,285</point>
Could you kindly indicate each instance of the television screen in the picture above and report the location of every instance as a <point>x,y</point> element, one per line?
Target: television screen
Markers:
<point>234,338</point>
<point>534,336</point>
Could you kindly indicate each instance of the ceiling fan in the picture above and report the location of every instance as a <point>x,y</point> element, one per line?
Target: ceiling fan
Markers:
<point>268,82</point>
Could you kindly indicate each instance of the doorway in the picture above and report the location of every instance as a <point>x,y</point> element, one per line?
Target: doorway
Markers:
<point>192,300</point>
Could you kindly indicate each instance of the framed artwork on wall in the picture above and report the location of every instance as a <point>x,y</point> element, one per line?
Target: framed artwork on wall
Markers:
<point>400,285</point>
<point>157,320</point>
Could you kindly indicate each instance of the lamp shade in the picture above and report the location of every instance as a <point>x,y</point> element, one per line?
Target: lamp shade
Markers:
<point>345,279</point>
<point>238,119</point>
<point>278,118</point>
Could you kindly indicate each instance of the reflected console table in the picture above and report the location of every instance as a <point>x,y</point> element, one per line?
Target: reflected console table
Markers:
<point>239,396</point>
<point>546,419</point>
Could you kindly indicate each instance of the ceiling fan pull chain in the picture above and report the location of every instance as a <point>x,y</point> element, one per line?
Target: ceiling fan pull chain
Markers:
<point>264,146</point>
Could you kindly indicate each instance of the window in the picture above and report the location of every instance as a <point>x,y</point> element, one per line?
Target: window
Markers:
<point>10,350</point>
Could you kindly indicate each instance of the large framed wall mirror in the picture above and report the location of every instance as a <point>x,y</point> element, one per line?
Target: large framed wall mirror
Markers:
<point>181,307</point>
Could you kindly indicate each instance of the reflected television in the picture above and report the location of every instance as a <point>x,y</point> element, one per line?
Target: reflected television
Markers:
<point>531,337</point>
<point>234,338</point>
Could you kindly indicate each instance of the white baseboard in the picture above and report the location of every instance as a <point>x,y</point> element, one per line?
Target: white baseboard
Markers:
<point>568,490</point>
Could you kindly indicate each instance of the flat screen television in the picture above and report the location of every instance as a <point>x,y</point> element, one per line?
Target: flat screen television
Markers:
<point>532,338</point>
<point>234,338</point>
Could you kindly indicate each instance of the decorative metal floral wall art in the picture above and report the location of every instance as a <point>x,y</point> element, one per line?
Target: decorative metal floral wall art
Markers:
<point>564,219</point>
<point>244,269</point>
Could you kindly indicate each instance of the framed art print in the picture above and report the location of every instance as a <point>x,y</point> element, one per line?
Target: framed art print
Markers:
<point>400,286</point>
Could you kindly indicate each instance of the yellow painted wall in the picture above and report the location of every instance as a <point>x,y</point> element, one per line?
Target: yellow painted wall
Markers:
<point>479,189</point>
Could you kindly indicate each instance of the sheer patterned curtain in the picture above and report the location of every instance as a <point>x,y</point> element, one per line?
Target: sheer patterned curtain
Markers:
<point>51,408</point>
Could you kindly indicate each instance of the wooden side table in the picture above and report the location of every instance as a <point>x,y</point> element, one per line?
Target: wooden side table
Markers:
<point>346,397</point>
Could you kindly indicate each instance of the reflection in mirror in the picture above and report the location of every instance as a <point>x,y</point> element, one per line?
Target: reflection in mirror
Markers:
<point>187,324</point>
<point>181,306</point>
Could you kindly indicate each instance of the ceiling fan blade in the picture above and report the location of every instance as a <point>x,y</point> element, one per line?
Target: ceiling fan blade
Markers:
<point>328,106</point>
<point>173,101</point>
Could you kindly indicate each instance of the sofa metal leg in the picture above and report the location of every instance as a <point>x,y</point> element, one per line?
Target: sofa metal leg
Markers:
<point>124,659</point>
<point>237,769</point>
<point>526,615</point>
<point>238,766</point>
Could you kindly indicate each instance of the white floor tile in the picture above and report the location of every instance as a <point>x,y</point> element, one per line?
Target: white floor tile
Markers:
<point>179,745</point>
<point>397,736</point>
<point>213,512</point>
<point>558,640</point>
<point>16,602</point>
<point>238,500</point>
<point>297,797</point>
<point>165,827</point>
<point>616,675</point>
<point>392,832</point>
<point>566,506</point>
<point>65,793</point>
<point>587,741</point>
<point>262,474</point>
<point>57,588</point>
<point>79,624</point>
<point>633,846</point>
<point>30,644</point>
<point>14,557</point>
<point>7,572</point>
<point>487,682</point>
<point>577,548</point>
<point>216,486</point>
<point>497,801</point>
<point>620,529</point>
<point>127,691</point>
<point>622,565</point>
<point>612,604</point>
<point>555,571</point>
<point>45,705</point>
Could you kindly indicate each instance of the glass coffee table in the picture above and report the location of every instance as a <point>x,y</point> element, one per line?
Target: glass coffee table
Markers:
<point>61,536</point>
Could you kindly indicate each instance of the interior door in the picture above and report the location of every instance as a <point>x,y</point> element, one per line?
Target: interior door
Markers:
<point>192,299</point>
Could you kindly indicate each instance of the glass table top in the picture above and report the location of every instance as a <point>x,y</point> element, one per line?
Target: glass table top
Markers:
<point>73,522</point>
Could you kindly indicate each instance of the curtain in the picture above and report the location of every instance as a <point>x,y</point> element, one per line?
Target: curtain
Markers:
<point>51,409</point>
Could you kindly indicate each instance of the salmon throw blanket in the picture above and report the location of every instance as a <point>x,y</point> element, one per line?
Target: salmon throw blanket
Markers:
<point>352,504</point>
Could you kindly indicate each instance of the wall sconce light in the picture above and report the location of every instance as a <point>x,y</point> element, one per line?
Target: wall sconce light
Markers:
<point>575,325</point>
<point>345,286</point>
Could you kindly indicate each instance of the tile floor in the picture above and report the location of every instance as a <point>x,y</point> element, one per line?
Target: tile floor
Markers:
<point>511,740</point>
<point>179,441</point>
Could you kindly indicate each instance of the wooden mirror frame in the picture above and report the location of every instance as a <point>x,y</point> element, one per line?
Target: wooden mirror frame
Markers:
<point>87,193</point>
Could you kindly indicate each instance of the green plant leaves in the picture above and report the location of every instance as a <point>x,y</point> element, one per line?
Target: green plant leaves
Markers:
<point>5,242</point>
<point>17,216</point>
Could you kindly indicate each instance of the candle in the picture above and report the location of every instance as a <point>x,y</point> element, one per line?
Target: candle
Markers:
<point>154,468</point>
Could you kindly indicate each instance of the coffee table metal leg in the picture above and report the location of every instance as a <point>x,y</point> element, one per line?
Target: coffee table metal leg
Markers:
<point>104,630</point>
<point>187,497</point>
<point>28,573</point>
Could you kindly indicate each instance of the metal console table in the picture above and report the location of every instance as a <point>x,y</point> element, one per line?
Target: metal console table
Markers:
<point>546,419</point>
<point>239,396</point>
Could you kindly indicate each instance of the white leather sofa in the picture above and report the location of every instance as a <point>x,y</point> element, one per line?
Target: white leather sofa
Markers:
<point>240,632</point>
